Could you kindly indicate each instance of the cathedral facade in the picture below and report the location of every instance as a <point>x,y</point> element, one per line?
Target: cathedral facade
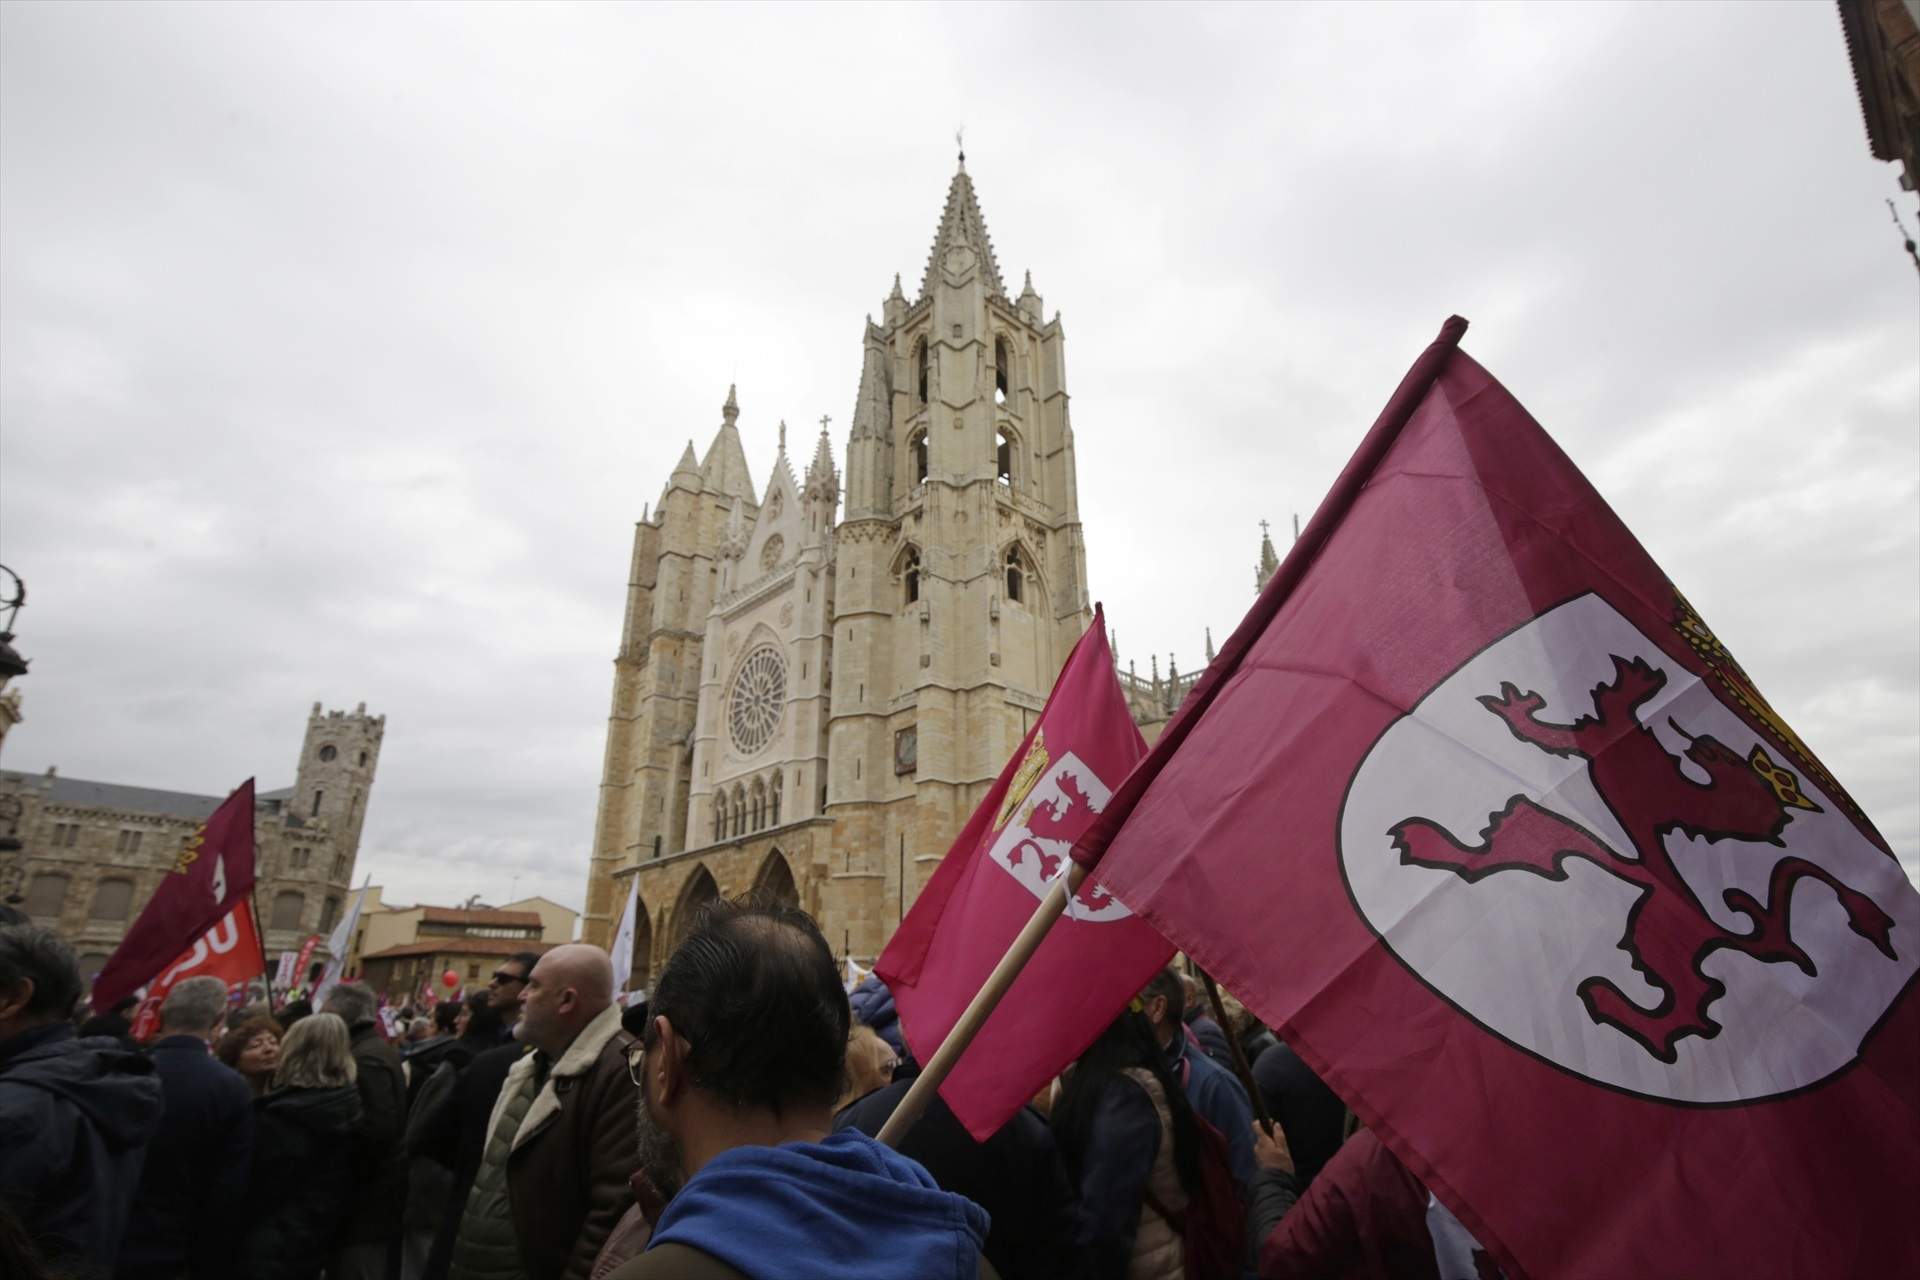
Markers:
<point>817,682</point>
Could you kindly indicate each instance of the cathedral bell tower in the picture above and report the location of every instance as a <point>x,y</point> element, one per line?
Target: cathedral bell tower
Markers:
<point>961,581</point>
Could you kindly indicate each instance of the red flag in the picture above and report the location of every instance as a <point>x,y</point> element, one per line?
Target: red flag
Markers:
<point>229,951</point>
<point>991,881</point>
<point>1479,814</point>
<point>211,874</point>
<point>300,976</point>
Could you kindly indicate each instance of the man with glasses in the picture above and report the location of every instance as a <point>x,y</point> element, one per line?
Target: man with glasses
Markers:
<point>744,1051</point>
<point>507,989</point>
<point>474,1095</point>
<point>553,1180</point>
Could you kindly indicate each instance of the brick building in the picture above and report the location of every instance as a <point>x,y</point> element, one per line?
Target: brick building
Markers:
<point>92,853</point>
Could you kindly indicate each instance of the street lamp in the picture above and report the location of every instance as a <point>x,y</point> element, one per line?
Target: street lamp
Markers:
<point>11,598</point>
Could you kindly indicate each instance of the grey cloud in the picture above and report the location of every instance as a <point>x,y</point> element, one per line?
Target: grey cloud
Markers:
<point>341,348</point>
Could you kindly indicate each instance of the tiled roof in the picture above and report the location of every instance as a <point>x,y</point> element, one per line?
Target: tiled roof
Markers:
<point>481,915</point>
<point>82,794</point>
<point>460,947</point>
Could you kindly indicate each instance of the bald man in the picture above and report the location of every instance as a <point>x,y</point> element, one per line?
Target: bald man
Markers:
<point>561,1144</point>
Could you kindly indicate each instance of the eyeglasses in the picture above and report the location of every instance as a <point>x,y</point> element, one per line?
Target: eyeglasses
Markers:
<point>501,977</point>
<point>636,1062</point>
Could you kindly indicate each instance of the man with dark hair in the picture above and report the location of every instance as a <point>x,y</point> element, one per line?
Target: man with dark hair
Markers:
<point>195,1180</point>
<point>1212,1091</point>
<point>507,989</point>
<point>369,1250</point>
<point>1198,1016</point>
<point>75,1114</point>
<point>745,1044</point>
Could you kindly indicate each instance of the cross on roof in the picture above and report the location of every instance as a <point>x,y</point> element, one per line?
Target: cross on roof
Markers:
<point>1263,528</point>
<point>825,418</point>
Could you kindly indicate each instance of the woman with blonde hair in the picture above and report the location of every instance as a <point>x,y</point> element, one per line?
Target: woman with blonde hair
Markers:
<point>301,1190</point>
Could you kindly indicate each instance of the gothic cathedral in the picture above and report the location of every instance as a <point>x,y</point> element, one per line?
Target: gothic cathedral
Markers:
<point>810,701</point>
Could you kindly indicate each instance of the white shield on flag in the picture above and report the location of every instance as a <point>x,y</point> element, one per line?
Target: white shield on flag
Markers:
<point>1573,840</point>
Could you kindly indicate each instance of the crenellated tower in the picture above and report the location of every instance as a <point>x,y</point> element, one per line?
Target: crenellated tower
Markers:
<point>334,778</point>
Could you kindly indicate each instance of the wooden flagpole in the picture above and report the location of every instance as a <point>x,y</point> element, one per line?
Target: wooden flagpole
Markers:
<point>1240,1066</point>
<point>984,1002</point>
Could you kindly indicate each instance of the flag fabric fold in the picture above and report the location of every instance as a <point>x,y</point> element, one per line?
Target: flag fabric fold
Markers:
<point>230,951</point>
<point>991,881</point>
<point>339,942</point>
<point>211,874</point>
<point>1478,813</point>
<point>623,939</point>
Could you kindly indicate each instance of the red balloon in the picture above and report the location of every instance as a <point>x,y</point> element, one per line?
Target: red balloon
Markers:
<point>450,978</point>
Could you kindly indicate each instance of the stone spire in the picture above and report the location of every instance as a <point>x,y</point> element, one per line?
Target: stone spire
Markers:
<point>961,225</point>
<point>822,464</point>
<point>688,468</point>
<point>1268,560</point>
<point>724,469</point>
<point>1209,646</point>
<point>822,491</point>
<point>1030,304</point>
<point>894,309</point>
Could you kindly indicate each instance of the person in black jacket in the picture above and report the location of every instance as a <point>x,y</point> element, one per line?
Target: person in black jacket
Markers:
<point>75,1114</point>
<point>371,1250</point>
<point>196,1171</point>
<point>1313,1116</point>
<point>302,1190</point>
<point>456,1136</point>
<point>1016,1175</point>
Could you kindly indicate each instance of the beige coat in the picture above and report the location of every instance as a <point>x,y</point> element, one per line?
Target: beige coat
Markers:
<point>1158,1253</point>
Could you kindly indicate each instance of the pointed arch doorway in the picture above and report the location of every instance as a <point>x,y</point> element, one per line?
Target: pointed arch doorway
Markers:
<point>774,882</point>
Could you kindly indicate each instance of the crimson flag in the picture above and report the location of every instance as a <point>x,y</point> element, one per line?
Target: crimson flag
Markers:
<point>230,951</point>
<point>212,873</point>
<point>1477,812</point>
<point>989,885</point>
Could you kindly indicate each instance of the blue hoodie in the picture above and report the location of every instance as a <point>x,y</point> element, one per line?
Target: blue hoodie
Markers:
<point>846,1207</point>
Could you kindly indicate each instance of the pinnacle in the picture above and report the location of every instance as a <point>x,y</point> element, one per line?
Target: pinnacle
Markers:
<point>961,224</point>
<point>731,409</point>
<point>895,294</point>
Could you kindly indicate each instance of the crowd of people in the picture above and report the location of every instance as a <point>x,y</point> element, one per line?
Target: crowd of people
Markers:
<point>725,1127</point>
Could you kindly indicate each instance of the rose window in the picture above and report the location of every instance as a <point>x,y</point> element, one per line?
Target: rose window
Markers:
<point>771,553</point>
<point>759,695</point>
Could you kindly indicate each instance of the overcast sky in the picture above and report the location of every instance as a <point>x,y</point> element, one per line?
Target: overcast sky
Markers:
<point>340,347</point>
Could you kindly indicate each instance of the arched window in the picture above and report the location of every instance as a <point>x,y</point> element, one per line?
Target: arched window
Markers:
<point>910,573</point>
<point>48,895</point>
<point>1016,574</point>
<point>921,363</point>
<point>112,899</point>
<point>1002,456</point>
<point>720,816</point>
<point>1001,380</point>
<point>759,803</point>
<point>739,810</point>
<point>917,456</point>
<point>329,913</point>
<point>773,799</point>
<point>288,904</point>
